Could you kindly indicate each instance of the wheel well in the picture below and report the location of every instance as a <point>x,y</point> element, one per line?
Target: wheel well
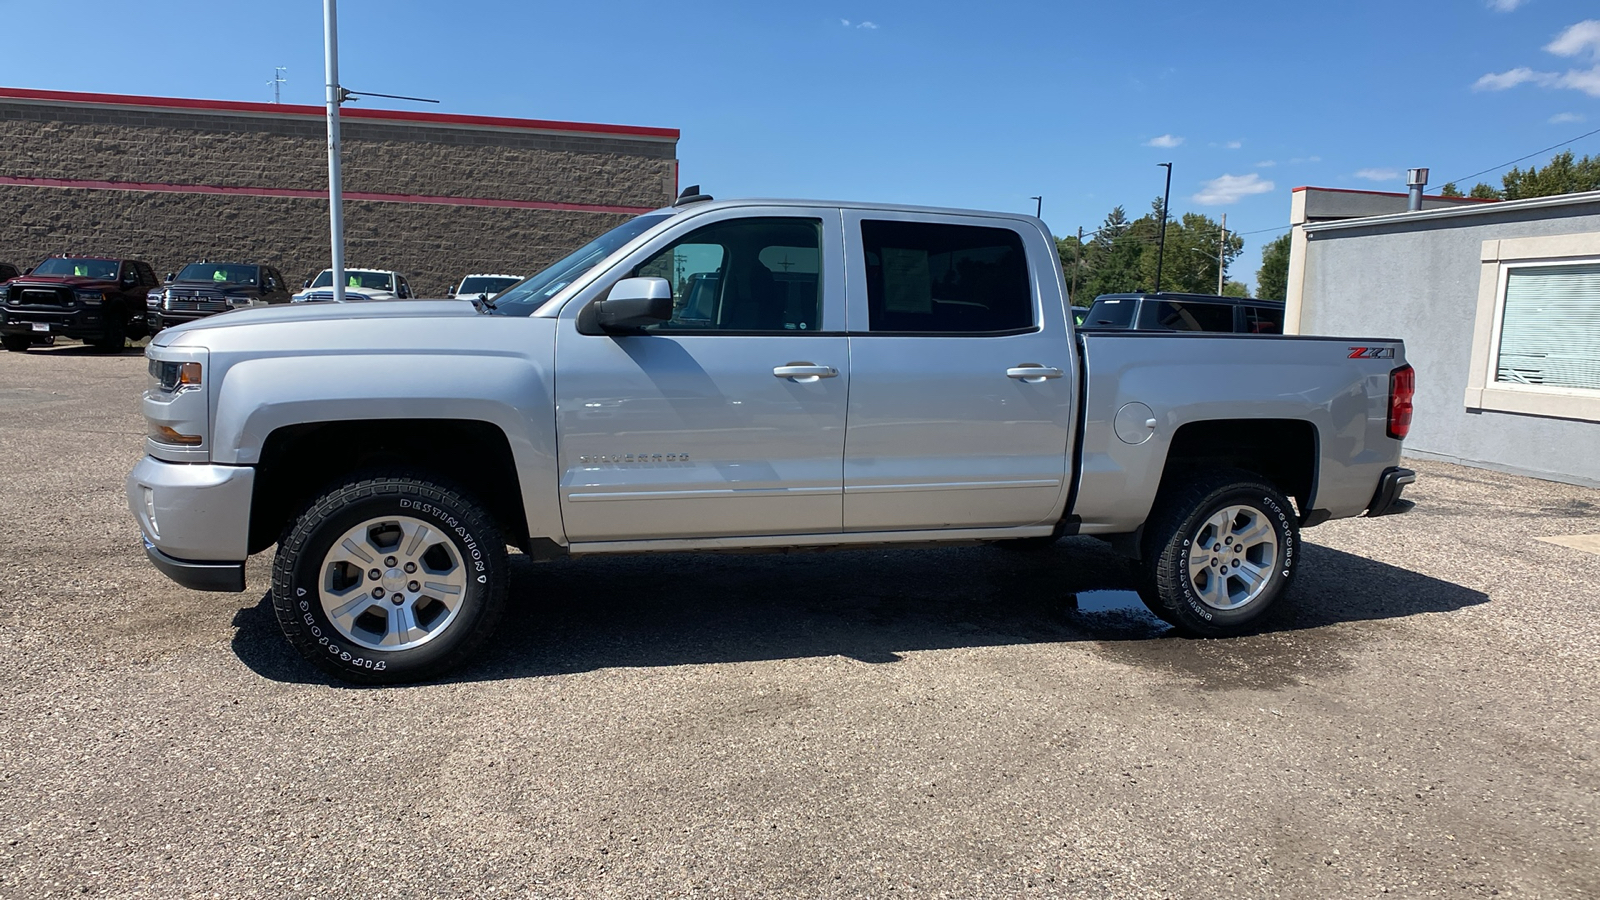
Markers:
<point>1283,451</point>
<point>299,462</point>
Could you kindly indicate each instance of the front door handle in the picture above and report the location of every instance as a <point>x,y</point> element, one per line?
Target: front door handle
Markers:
<point>805,373</point>
<point>1033,374</point>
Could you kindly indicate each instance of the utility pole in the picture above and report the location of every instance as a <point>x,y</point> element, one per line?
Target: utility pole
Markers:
<point>330,47</point>
<point>1222,248</point>
<point>1077,265</point>
<point>1161,245</point>
<point>1038,207</point>
<point>277,82</point>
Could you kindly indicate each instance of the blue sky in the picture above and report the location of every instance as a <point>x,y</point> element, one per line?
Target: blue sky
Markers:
<point>961,104</point>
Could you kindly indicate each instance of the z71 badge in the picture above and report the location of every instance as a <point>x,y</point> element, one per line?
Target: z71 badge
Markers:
<point>1371,353</point>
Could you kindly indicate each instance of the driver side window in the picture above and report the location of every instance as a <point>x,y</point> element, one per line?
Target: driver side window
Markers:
<point>746,275</point>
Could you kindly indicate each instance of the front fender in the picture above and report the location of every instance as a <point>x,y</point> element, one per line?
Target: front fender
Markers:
<point>255,397</point>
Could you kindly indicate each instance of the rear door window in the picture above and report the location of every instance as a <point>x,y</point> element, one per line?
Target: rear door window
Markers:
<point>1263,320</point>
<point>1116,313</point>
<point>1172,315</point>
<point>930,278</point>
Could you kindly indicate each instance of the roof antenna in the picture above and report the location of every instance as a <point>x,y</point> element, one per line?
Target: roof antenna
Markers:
<point>691,194</point>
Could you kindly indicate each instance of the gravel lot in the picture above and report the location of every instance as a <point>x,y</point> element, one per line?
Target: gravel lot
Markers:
<point>1420,719</point>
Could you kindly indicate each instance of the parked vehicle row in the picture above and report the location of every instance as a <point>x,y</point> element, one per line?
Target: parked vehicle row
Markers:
<point>106,301</point>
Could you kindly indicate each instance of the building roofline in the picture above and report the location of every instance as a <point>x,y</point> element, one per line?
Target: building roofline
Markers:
<point>1496,208</point>
<point>295,110</point>
<point>1307,187</point>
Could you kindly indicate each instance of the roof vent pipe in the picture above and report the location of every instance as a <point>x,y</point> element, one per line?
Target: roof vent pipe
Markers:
<point>1416,180</point>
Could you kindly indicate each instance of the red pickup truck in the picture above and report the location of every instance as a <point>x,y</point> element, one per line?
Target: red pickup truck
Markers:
<point>98,300</point>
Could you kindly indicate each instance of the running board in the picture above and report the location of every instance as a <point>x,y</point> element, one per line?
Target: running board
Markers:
<point>854,540</point>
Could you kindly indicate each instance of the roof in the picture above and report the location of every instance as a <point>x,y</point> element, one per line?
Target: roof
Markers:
<point>1193,298</point>
<point>289,110</point>
<point>746,202</point>
<point>1308,187</point>
<point>1502,207</point>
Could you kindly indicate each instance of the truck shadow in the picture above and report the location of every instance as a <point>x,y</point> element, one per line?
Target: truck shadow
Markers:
<point>873,606</point>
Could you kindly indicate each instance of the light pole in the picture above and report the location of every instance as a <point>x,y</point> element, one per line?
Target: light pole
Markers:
<point>1161,242</point>
<point>330,46</point>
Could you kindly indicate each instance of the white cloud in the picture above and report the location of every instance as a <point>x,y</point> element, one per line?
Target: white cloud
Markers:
<point>1587,81</point>
<point>1227,189</point>
<point>1577,39</point>
<point>1298,160</point>
<point>1505,5</point>
<point>1234,145</point>
<point>1500,81</point>
<point>1379,174</point>
<point>845,22</point>
<point>870,26</point>
<point>1564,118</point>
<point>1266,163</point>
<point>1166,140</point>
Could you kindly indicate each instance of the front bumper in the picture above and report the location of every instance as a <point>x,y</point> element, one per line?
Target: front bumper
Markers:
<point>198,576</point>
<point>1386,501</point>
<point>81,322</point>
<point>195,519</point>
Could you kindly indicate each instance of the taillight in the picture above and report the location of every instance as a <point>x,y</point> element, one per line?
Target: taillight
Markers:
<point>1402,384</point>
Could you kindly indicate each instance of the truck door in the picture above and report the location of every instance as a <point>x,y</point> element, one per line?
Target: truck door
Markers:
<point>729,418</point>
<point>962,375</point>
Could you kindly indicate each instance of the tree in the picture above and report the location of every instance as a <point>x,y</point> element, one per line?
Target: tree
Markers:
<point>1272,279</point>
<point>1122,256</point>
<point>1235,289</point>
<point>1561,175</point>
<point>1450,190</point>
<point>1484,192</point>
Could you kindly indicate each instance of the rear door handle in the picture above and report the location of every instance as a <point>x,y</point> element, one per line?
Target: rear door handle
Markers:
<point>804,373</point>
<point>1033,374</point>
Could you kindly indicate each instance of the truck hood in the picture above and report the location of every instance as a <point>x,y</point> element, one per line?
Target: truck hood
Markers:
<point>75,281</point>
<point>311,312</point>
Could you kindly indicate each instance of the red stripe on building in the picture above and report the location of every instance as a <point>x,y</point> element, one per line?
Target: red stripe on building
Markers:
<point>288,109</point>
<point>158,188</point>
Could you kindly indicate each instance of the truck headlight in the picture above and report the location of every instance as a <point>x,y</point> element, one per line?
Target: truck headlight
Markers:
<point>170,377</point>
<point>90,298</point>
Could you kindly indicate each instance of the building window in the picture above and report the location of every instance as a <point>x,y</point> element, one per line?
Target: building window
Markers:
<point>1536,339</point>
<point>1550,327</point>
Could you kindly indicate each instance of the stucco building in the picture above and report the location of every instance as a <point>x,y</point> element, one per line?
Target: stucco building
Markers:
<point>435,196</point>
<point>1499,306</point>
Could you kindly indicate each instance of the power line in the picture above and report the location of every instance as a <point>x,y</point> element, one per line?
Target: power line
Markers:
<point>1521,158</point>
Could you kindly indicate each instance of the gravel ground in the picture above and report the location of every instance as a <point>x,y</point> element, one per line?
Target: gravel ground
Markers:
<point>1419,720</point>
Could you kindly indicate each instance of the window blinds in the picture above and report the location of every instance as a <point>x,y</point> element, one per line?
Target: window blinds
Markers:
<point>1550,329</point>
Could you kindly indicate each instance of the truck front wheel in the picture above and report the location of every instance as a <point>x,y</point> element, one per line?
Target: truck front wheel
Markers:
<point>389,579</point>
<point>1218,553</point>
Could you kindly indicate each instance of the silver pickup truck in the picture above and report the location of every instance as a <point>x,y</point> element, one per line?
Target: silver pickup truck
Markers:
<point>744,375</point>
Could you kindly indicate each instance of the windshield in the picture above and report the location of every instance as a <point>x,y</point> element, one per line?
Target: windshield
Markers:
<point>526,297</point>
<point>83,268</point>
<point>218,273</point>
<point>356,278</point>
<point>484,284</point>
<point>1109,313</point>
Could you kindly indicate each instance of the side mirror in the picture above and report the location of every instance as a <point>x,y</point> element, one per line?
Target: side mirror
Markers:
<point>306,283</point>
<point>170,276</point>
<point>634,303</point>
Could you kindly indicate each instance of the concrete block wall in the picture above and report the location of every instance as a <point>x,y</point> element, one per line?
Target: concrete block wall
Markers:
<point>124,176</point>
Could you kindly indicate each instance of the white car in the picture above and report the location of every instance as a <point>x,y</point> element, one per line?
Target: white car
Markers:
<point>479,287</point>
<point>360,284</point>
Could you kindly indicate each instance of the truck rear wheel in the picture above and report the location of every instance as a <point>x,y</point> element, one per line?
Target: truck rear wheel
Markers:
<point>389,579</point>
<point>1218,553</point>
<point>16,343</point>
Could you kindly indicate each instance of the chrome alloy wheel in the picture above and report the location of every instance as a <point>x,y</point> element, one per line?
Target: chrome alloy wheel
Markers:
<point>392,583</point>
<point>1232,556</point>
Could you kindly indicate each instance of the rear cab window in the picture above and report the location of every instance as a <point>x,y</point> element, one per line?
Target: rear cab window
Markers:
<point>1172,315</point>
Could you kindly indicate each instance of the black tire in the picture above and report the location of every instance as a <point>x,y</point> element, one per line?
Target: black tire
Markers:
<point>16,343</point>
<point>1198,601</point>
<point>116,336</point>
<point>351,650</point>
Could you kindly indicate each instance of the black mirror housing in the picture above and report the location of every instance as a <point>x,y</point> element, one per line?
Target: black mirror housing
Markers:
<point>634,303</point>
